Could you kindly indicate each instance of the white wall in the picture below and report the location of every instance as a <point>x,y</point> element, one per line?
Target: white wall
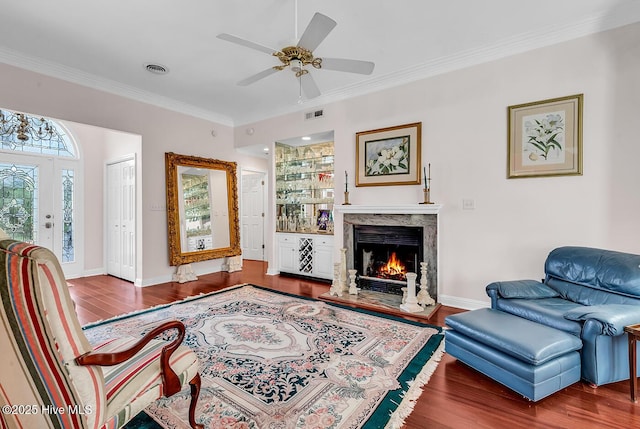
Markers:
<point>161,130</point>
<point>516,222</point>
<point>96,146</point>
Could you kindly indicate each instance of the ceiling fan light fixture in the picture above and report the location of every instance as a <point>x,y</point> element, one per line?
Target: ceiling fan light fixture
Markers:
<point>297,58</point>
<point>295,65</point>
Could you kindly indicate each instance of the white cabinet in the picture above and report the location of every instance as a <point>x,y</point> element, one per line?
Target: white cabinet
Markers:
<point>287,252</point>
<point>323,257</point>
<point>305,254</point>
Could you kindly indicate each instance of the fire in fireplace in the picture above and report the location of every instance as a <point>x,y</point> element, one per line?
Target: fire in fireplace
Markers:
<point>393,269</point>
<point>384,254</point>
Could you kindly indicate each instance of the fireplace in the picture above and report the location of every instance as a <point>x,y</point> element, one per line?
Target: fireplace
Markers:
<point>384,254</point>
<point>415,242</point>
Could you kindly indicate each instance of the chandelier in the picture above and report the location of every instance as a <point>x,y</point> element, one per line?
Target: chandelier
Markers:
<point>18,128</point>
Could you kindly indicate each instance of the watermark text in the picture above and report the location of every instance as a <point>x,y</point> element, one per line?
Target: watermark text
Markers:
<point>46,409</point>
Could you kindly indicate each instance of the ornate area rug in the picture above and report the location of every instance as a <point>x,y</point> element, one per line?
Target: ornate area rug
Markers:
<point>275,361</point>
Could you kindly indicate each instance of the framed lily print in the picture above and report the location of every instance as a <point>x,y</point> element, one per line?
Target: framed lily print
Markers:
<point>389,156</point>
<point>545,138</point>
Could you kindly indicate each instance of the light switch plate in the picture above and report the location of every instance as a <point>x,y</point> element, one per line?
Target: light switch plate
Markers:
<point>468,204</point>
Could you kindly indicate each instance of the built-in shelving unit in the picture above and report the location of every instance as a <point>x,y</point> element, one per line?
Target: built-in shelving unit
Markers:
<point>304,209</point>
<point>304,188</point>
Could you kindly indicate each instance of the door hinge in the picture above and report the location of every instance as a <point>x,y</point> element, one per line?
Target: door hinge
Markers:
<point>262,214</point>
<point>262,182</point>
<point>263,246</point>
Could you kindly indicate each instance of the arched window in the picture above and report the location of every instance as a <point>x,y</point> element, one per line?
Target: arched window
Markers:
<point>23,133</point>
<point>38,174</point>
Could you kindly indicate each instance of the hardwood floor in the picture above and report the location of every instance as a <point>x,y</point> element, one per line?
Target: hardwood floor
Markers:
<point>455,397</point>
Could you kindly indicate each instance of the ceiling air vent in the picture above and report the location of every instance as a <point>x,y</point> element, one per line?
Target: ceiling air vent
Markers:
<point>314,115</point>
<point>156,68</point>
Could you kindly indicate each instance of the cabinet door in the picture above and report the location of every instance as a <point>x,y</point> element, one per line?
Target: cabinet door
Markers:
<point>323,261</point>
<point>288,255</point>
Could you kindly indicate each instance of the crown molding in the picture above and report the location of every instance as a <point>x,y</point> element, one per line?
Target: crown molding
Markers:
<point>516,45</point>
<point>624,14</point>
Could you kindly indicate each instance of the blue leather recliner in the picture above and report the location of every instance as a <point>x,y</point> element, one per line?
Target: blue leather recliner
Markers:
<point>590,293</point>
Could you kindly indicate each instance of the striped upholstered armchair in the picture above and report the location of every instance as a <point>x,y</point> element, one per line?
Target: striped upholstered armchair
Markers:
<point>51,377</point>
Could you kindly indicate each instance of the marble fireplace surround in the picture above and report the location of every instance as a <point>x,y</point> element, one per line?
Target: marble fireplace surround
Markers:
<point>424,215</point>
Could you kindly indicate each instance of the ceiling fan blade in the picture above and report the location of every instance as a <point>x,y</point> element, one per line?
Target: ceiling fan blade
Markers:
<point>350,66</point>
<point>309,86</point>
<point>319,28</point>
<point>247,43</point>
<point>256,77</point>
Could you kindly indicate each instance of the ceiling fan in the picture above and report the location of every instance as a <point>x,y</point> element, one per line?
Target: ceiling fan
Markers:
<point>301,55</point>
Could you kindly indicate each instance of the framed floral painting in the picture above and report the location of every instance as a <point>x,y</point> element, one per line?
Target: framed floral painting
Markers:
<point>389,156</point>
<point>545,138</point>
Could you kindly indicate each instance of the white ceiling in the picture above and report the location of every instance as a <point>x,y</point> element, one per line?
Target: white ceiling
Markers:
<point>106,44</point>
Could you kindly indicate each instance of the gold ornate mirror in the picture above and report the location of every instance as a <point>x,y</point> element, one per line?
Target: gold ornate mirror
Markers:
<point>202,208</point>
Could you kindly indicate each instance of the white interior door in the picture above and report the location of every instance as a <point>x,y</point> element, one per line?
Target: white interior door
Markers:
<point>253,216</point>
<point>121,219</point>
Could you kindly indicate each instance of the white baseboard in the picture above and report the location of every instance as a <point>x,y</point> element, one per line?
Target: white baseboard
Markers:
<point>450,301</point>
<point>169,277</point>
<point>94,272</point>
<point>465,304</point>
<point>154,281</point>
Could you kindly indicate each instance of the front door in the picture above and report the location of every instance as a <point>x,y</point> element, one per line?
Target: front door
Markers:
<point>37,196</point>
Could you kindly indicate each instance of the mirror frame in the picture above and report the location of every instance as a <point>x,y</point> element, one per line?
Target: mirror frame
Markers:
<point>176,255</point>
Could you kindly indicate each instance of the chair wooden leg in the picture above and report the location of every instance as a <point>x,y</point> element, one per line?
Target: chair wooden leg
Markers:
<point>195,392</point>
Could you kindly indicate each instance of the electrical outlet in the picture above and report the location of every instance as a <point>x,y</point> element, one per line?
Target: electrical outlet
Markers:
<point>468,204</point>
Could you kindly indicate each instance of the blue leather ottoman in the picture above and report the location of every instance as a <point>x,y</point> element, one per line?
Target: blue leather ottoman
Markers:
<point>529,358</point>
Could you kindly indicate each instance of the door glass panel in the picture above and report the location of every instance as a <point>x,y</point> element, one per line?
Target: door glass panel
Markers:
<point>34,149</point>
<point>19,201</point>
<point>20,132</point>
<point>68,249</point>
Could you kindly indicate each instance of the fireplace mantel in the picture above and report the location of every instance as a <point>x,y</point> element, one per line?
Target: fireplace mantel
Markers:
<point>421,215</point>
<point>397,209</point>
